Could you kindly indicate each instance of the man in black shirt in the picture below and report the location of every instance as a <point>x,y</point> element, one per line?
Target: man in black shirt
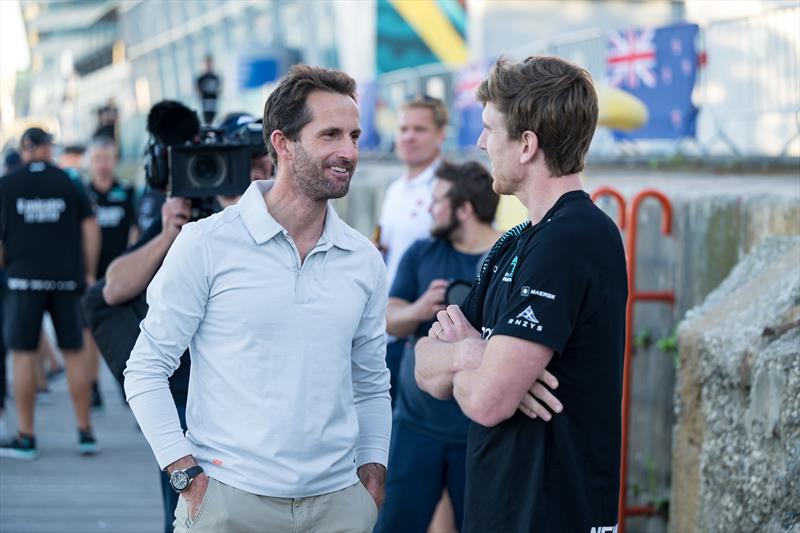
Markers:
<point>209,87</point>
<point>552,295</point>
<point>113,203</point>
<point>49,247</point>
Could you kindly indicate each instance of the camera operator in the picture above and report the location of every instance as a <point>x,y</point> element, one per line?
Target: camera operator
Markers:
<point>129,275</point>
<point>429,436</point>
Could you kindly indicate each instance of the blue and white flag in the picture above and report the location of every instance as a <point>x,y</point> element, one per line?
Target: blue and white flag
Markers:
<point>659,67</point>
<point>470,123</point>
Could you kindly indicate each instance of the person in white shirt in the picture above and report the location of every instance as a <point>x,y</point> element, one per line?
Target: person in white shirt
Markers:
<point>405,215</point>
<point>283,308</point>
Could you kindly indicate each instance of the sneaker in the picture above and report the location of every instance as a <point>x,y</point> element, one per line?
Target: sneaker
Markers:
<point>55,374</point>
<point>87,445</point>
<point>97,400</point>
<point>20,447</point>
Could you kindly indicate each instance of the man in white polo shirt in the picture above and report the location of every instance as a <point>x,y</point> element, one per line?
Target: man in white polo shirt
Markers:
<point>283,308</point>
<point>405,216</point>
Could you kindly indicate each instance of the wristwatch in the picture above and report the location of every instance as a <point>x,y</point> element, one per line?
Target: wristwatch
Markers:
<point>180,480</point>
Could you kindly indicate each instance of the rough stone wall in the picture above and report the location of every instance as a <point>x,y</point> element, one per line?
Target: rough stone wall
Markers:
<point>736,463</point>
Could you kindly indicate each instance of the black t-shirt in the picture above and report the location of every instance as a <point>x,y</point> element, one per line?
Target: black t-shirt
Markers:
<point>561,283</point>
<point>41,211</point>
<point>115,215</point>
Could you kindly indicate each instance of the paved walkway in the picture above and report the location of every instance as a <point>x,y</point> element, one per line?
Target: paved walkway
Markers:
<point>116,491</point>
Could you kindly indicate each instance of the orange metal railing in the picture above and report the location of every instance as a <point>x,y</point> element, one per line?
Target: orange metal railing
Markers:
<point>628,221</point>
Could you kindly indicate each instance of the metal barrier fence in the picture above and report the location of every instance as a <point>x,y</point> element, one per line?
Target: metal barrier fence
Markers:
<point>748,91</point>
<point>750,94</point>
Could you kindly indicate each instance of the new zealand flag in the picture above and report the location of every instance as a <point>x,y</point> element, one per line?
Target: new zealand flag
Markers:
<point>659,67</point>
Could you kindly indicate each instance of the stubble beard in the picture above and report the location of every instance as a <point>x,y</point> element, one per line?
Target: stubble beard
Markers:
<point>446,231</point>
<point>311,180</point>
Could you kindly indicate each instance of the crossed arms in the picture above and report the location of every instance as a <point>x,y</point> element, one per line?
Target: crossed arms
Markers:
<point>491,379</point>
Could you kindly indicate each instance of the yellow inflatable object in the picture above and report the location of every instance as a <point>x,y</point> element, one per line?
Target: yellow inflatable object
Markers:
<point>619,109</point>
<point>510,212</point>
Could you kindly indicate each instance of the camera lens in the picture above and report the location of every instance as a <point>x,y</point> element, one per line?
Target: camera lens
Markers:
<point>207,170</point>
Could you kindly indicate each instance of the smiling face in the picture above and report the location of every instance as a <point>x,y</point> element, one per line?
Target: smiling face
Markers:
<point>325,153</point>
<point>503,152</point>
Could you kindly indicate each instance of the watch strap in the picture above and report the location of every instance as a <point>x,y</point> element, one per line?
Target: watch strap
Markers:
<point>194,471</point>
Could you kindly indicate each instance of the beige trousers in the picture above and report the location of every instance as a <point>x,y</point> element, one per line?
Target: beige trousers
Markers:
<point>226,509</point>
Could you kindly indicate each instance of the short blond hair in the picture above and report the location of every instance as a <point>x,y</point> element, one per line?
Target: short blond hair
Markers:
<point>436,107</point>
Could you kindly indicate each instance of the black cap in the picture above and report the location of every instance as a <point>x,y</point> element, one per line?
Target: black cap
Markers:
<point>36,137</point>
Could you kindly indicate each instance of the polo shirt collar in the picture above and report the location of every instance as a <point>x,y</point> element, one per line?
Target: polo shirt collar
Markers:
<point>334,230</point>
<point>262,227</point>
<point>254,213</point>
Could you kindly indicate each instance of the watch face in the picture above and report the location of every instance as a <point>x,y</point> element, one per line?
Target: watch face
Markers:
<point>179,480</point>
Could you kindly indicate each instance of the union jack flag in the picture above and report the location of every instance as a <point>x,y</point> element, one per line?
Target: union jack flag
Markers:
<point>632,58</point>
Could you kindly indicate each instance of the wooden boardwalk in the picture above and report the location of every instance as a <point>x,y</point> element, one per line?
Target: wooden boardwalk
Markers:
<point>116,491</point>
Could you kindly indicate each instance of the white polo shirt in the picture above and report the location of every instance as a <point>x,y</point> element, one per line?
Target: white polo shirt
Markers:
<point>289,391</point>
<point>404,216</point>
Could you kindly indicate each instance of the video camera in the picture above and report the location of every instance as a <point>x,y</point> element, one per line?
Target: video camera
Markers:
<point>188,161</point>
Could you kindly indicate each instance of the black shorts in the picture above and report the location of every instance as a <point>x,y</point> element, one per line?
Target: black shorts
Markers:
<point>24,311</point>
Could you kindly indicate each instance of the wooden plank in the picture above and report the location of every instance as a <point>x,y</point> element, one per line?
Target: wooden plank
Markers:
<point>63,492</point>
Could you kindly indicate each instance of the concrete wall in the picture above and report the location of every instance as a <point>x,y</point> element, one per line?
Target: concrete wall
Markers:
<point>736,463</point>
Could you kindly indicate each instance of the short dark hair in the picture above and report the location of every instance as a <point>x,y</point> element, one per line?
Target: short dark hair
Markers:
<point>436,107</point>
<point>286,108</point>
<point>470,183</point>
<point>550,97</point>
<point>33,137</point>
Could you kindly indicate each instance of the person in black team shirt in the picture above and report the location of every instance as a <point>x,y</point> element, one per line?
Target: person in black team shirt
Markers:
<point>552,295</point>
<point>429,437</point>
<point>50,240</point>
<point>113,202</point>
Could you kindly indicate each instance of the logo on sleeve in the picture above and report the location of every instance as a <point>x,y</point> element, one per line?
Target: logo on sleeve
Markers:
<point>508,276</point>
<point>527,291</point>
<point>526,319</point>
